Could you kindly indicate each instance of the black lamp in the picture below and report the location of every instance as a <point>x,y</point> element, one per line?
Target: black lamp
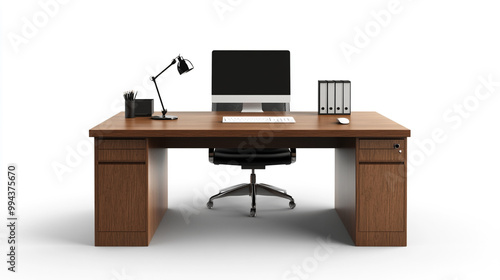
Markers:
<point>183,66</point>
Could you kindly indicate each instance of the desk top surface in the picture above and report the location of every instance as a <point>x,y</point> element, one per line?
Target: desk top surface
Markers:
<point>209,124</point>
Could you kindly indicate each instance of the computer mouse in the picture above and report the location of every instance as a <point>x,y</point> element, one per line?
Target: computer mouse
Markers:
<point>343,120</point>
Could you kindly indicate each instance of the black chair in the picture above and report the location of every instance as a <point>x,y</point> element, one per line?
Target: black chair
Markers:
<point>252,159</point>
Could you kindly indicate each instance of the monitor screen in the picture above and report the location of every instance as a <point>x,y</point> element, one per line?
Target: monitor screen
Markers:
<point>250,73</point>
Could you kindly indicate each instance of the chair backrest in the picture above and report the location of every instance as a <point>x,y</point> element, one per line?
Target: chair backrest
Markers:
<point>266,107</point>
<point>280,107</point>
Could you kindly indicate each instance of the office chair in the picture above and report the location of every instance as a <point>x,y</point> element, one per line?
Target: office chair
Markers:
<point>251,159</point>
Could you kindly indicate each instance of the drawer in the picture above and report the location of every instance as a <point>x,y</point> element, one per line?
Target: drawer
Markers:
<point>121,156</point>
<point>380,155</point>
<point>112,144</point>
<point>382,144</point>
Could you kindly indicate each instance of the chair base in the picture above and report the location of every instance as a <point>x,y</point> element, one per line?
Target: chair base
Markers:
<point>252,190</point>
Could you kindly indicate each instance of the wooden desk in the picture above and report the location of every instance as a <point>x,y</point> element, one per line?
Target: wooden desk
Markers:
<point>131,168</point>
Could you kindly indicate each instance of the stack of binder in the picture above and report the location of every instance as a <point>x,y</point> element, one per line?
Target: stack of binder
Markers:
<point>334,97</point>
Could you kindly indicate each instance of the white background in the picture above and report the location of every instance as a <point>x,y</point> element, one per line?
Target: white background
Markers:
<point>64,66</point>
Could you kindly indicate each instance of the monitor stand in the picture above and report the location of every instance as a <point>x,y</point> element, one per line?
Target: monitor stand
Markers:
<point>252,108</point>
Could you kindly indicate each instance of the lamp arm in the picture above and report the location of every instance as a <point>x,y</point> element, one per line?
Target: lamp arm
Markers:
<point>153,78</point>
<point>163,111</point>
<point>172,63</point>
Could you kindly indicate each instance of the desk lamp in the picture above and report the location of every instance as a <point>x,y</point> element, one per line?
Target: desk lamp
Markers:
<point>183,66</point>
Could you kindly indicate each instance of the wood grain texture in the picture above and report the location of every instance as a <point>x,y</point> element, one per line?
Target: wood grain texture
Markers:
<point>131,198</point>
<point>382,155</point>
<point>381,238</point>
<point>121,197</point>
<point>121,144</point>
<point>121,155</point>
<point>381,198</point>
<point>209,124</point>
<point>381,143</point>
<point>97,211</point>
<point>381,195</point>
<point>121,238</point>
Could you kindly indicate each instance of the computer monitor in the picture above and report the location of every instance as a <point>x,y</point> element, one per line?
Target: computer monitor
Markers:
<point>251,78</point>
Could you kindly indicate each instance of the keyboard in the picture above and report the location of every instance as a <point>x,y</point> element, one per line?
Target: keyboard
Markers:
<point>236,119</point>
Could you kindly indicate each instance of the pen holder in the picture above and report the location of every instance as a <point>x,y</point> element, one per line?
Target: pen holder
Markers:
<point>129,108</point>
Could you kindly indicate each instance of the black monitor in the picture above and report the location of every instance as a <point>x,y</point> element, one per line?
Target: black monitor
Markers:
<point>251,77</point>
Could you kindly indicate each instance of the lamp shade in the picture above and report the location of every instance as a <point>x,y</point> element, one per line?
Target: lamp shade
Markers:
<point>184,65</point>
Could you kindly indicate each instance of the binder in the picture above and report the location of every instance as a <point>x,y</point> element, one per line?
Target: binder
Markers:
<point>322,97</point>
<point>331,97</point>
<point>347,97</point>
<point>339,97</point>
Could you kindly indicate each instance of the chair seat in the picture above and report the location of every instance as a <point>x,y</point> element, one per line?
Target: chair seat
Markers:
<point>249,158</point>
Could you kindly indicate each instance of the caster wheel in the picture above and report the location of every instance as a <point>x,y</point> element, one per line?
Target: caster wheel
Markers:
<point>291,204</point>
<point>210,204</point>
<point>252,212</point>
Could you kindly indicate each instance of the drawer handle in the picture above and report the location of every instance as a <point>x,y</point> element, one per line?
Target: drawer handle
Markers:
<point>400,151</point>
<point>396,146</point>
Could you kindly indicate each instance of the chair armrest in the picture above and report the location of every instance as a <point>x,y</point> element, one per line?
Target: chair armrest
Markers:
<point>293,152</point>
<point>211,153</point>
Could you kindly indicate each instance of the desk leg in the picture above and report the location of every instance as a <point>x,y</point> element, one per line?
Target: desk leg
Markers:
<point>158,187</point>
<point>345,188</point>
<point>130,191</point>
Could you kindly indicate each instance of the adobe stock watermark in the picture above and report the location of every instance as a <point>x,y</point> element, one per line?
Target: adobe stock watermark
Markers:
<point>322,252</point>
<point>363,36</point>
<point>75,154</point>
<point>223,7</point>
<point>31,26</point>
<point>199,198</point>
<point>454,117</point>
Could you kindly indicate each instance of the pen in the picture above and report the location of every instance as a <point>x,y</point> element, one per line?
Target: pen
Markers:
<point>130,95</point>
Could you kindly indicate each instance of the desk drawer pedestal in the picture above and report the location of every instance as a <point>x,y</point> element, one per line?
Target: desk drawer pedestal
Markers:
<point>130,191</point>
<point>370,191</point>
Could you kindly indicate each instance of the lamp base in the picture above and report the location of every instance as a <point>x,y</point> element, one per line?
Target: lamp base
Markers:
<point>167,117</point>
